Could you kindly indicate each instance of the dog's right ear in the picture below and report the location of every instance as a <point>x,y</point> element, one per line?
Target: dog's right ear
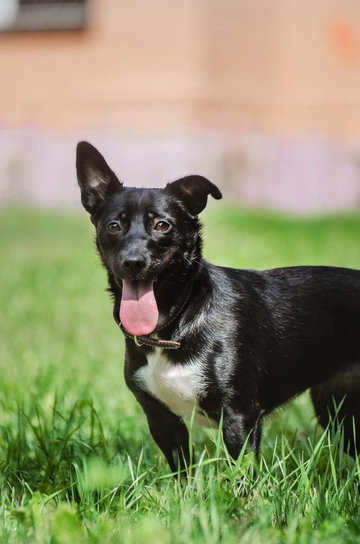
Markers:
<point>95,178</point>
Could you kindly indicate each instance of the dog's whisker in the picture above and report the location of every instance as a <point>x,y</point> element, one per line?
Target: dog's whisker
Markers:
<point>93,268</point>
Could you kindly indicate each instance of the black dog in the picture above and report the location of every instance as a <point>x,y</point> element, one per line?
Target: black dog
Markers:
<point>231,344</point>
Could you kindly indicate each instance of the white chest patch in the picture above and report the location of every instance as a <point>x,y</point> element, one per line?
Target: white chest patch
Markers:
<point>179,387</point>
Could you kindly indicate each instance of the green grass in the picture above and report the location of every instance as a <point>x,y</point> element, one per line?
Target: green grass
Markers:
<point>76,459</point>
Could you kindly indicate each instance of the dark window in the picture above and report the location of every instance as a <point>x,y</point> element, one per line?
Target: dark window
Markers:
<point>25,15</point>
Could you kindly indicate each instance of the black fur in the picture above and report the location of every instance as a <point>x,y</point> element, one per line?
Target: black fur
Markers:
<point>259,338</point>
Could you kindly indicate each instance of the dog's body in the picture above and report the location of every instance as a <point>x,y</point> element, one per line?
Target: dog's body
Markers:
<point>230,344</point>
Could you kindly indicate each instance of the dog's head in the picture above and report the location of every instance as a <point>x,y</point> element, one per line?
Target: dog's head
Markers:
<point>141,233</point>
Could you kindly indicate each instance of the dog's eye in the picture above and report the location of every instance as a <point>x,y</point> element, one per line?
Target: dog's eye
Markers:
<point>113,226</point>
<point>162,226</point>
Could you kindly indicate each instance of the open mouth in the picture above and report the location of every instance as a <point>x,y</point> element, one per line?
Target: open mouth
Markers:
<point>139,313</point>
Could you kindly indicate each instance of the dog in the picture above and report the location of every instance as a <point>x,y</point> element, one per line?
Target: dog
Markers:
<point>213,343</point>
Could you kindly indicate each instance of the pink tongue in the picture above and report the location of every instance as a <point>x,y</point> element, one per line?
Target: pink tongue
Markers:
<point>138,310</point>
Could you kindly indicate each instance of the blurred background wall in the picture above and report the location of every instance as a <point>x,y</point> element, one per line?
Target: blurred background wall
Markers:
<point>261,96</point>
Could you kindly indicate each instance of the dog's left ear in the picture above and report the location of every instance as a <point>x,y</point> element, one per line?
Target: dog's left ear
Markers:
<point>193,191</point>
<point>95,177</point>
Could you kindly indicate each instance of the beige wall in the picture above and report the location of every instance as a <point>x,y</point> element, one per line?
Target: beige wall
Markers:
<point>272,66</point>
<point>134,69</point>
<point>283,66</point>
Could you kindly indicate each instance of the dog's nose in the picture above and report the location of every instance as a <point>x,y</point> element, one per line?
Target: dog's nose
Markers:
<point>134,264</point>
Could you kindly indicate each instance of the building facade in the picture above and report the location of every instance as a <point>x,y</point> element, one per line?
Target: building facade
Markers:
<point>262,97</point>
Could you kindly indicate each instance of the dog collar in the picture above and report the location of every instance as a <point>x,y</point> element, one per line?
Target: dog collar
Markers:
<point>155,342</point>
<point>148,341</point>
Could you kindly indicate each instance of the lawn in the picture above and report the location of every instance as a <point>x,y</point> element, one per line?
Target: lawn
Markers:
<point>76,460</point>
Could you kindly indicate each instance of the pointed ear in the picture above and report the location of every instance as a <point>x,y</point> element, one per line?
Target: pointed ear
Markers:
<point>193,191</point>
<point>95,178</point>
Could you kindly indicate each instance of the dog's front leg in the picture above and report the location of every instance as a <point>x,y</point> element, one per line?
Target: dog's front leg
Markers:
<point>171,435</point>
<point>237,427</point>
<point>168,430</point>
